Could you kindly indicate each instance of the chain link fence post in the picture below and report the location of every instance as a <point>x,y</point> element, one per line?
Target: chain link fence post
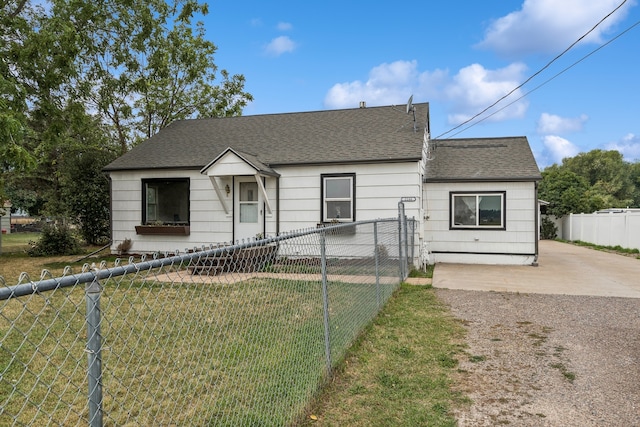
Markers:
<point>325,302</point>
<point>94,355</point>
<point>377,261</point>
<point>401,243</point>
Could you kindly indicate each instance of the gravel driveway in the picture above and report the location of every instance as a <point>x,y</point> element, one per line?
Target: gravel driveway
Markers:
<point>548,359</point>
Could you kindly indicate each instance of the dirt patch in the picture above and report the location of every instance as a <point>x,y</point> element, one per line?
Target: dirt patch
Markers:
<point>548,360</point>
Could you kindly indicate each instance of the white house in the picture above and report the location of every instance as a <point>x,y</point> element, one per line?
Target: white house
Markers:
<point>217,180</point>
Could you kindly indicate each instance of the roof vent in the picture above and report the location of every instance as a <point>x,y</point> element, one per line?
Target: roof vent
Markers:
<point>363,104</point>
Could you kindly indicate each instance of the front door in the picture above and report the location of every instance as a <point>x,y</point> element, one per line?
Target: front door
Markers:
<point>248,210</point>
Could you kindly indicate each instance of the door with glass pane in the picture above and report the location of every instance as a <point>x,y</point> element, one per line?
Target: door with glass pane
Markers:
<point>248,212</point>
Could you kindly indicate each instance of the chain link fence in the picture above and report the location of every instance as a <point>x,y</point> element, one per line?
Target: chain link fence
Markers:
<point>242,334</point>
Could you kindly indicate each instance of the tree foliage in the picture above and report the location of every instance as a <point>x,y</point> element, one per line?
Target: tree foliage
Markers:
<point>83,81</point>
<point>590,181</point>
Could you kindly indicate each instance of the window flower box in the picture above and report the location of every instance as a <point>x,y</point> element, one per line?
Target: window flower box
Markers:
<point>163,230</point>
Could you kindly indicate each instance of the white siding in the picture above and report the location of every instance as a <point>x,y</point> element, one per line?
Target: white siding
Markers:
<point>515,245</point>
<point>209,223</point>
<point>379,188</point>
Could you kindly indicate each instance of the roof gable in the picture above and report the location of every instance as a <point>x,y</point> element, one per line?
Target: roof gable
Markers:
<point>232,162</point>
<point>374,134</point>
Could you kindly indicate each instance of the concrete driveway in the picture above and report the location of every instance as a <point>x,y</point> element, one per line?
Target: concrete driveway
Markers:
<point>563,269</point>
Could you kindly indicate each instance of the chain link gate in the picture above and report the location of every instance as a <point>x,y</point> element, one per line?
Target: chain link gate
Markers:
<point>241,334</point>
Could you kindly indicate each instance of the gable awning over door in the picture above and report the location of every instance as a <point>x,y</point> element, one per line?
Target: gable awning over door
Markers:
<point>234,163</point>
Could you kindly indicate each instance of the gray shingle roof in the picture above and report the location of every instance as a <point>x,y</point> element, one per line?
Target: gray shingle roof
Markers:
<point>482,159</point>
<point>374,134</point>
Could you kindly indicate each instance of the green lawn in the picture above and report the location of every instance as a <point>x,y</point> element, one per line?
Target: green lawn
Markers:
<point>16,242</point>
<point>249,353</point>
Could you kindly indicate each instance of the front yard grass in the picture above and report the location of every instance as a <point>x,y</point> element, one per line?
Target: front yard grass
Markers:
<point>400,372</point>
<point>245,353</point>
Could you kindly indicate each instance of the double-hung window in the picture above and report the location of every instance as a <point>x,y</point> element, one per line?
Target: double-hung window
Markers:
<point>338,197</point>
<point>478,210</point>
<point>165,201</point>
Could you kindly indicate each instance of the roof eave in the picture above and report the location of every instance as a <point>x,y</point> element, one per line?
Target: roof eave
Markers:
<point>347,162</point>
<point>492,179</point>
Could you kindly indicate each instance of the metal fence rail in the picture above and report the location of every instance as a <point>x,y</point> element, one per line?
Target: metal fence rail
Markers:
<point>234,335</point>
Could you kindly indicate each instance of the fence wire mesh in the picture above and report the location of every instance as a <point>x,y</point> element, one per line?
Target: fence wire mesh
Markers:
<point>231,335</point>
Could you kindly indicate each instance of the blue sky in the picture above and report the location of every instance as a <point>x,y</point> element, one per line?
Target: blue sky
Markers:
<point>460,56</point>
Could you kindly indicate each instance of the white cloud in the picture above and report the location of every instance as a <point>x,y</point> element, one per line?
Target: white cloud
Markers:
<point>284,26</point>
<point>388,84</point>
<point>559,148</point>
<point>468,92</point>
<point>550,26</point>
<point>474,88</point>
<point>629,146</point>
<point>280,45</point>
<point>553,124</point>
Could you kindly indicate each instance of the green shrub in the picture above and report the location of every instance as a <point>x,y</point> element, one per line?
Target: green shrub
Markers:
<point>55,240</point>
<point>548,229</point>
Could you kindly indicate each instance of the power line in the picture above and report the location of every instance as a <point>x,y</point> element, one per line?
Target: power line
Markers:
<point>548,80</point>
<point>536,73</point>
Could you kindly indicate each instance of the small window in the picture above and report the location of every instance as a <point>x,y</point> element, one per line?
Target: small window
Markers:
<point>481,210</point>
<point>165,201</point>
<point>338,198</point>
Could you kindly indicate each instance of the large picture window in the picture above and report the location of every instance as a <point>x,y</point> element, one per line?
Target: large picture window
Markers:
<point>338,198</point>
<point>478,210</point>
<point>165,201</point>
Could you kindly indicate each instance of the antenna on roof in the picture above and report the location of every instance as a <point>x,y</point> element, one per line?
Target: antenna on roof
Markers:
<point>412,109</point>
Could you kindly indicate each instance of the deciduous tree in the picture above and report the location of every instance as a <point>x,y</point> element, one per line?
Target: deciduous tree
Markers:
<point>80,77</point>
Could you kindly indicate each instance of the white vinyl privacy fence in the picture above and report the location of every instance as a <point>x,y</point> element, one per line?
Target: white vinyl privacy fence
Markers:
<point>606,229</point>
<point>233,335</point>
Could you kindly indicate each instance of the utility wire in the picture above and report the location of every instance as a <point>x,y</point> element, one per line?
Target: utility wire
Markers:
<point>548,80</point>
<point>537,72</point>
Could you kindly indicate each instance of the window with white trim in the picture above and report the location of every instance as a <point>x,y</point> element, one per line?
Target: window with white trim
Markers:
<point>478,210</point>
<point>338,197</point>
<point>165,201</point>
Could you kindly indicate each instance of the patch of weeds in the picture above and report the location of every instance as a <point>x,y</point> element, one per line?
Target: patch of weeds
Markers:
<point>388,380</point>
<point>357,389</point>
<point>477,358</point>
<point>570,376</point>
<point>617,248</point>
<point>539,339</point>
<point>524,323</point>
<point>558,350</point>
<point>447,361</point>
<point>403,351</point>
<point>495,339</point>
<point>427,273</point>
<point>541,415</point>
